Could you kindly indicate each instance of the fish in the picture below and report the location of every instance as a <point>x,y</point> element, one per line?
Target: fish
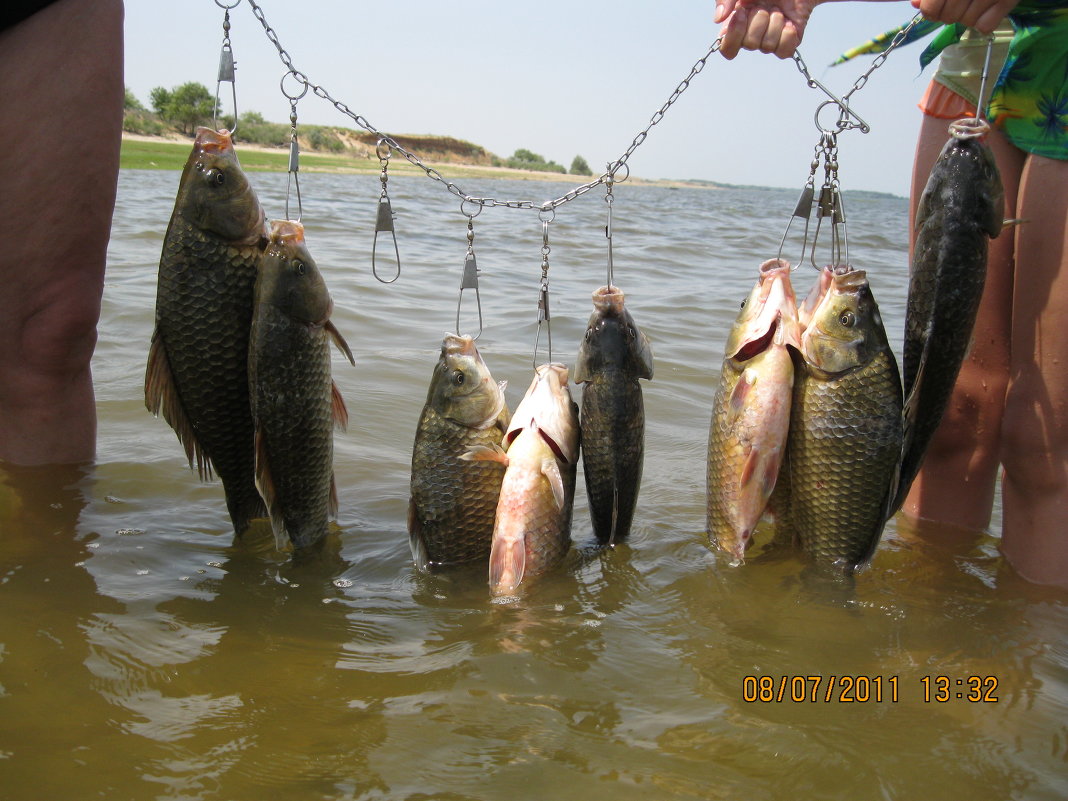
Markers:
<point>751,410</point>
<point>845,431</point>
<point>454,499</point>
<point>295,402</point>
<point>962,207</point>
<point>614,354</point>
<point>197,371</point>
<point>532,521</point>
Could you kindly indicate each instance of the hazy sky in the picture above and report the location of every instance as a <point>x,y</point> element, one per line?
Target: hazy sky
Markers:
<point>558,77</point>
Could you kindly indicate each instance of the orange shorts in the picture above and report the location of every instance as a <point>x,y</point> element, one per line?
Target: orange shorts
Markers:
<point>943,103</point>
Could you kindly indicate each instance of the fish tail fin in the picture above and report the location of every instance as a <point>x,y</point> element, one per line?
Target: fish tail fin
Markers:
<point>338,410</point>
<point>507,564</point>
<point>161,394</point>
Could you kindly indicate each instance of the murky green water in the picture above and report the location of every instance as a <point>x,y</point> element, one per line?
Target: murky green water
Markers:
<point>144,655</point>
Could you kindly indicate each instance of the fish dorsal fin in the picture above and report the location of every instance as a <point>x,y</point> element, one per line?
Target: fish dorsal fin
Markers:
<point>339,340</point>
<point>420,555</point>
<point>332,508</point>
<point>161,394</point>
<point>338,410</point>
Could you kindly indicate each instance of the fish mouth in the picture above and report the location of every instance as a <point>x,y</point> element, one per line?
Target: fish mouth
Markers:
<point>608,299</point>
<point>212,141</point>
<point>287,232</point>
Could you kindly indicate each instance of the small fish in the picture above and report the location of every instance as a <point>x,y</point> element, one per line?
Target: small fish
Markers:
<point>845,427</point>
<point>295,403</point>
<point>614,354</point>
<point>197,373</point>
<point>453,499</point>
<point>751,411</point>
<point>961,209</point>
<point>532,525</point>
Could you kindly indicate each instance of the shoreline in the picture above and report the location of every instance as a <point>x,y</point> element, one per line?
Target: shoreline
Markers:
<point>169,152</point>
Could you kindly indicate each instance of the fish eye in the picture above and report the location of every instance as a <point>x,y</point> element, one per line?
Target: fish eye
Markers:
<point>847,318</point>
<point>299,267</point>
<point>742,304</point>
<point>589,333</point>
<point>219,178</point>
<point>458,378</point>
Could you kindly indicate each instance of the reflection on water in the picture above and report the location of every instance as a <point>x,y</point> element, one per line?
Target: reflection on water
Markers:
<point>144,654</point>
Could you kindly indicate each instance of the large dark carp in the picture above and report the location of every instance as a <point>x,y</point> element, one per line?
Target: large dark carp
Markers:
<point>453,498</point>
<point>845,427</point>
<point>295,403</point>
<point>532,525</point>
<point>751,410</point>
<point>961,208</point>
<point>198,361</point>
<point>613,356</point>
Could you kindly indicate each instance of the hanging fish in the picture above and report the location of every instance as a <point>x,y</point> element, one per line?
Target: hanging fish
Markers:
<point>197,373</point>
<point>614,354</point>
<point>453,498</point>
<point>295,403</point>
<point>845,427</point>
<point>532,525</point>
<point>751,411</point>
<point>962,207</point>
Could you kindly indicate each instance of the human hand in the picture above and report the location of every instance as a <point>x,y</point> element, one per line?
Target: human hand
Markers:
<point>770,26</point>
<point>983,15</point>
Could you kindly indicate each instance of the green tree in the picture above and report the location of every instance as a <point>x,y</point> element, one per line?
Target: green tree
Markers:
<point>131,103</point>
<point>185,107</point>
<point>580,167</point>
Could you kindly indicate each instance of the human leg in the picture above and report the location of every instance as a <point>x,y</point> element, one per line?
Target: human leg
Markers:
<point>957,481</point>
<point>1035,430</point>
<point>61,71</point>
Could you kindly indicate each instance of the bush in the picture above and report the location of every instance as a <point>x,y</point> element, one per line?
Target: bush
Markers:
<point>526,160</point>
<point>580,167</point>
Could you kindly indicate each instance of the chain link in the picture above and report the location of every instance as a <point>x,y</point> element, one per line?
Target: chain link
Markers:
<point>412,158</point>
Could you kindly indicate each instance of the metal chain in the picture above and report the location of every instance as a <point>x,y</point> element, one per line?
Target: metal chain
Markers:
<point>613,167</point>
<point>843,101</point>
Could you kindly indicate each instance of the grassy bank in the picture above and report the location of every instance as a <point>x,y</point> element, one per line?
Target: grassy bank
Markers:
<point>162,154</point>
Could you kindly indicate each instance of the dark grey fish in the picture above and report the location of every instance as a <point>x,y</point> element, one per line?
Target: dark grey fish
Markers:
<point>197,373</point>
<point>961,208</point>
<point>295,403</point>
<point>613,356</point>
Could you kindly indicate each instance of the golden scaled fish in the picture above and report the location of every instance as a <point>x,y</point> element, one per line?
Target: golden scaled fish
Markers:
<point>751,410</point>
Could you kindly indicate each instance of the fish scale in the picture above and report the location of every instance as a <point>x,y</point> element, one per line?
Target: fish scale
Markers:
<point>203,316</point>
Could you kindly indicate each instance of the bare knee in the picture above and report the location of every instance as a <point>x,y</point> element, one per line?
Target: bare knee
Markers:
<point>1034,447</point>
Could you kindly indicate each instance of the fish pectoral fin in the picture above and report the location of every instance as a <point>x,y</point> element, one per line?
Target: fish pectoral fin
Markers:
<point>762,465</point>
<point>645,356</point>
<point>550,468</point>
<point>338,410</point>
<point>484,453</point>
<point>507,564</point>
<point>161,394</point>
<point>339,340</point>
<point>740,395</point>
<point>420,555</point>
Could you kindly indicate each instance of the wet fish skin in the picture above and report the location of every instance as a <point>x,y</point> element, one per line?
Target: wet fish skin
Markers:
<point>962,207</point>
<point>845,427</point>
<point>454,499</point>
<point>197,373</point>
<point>751,411</point>
<point>532,524</point>
<point>614,354</point>
<point>295,403</point>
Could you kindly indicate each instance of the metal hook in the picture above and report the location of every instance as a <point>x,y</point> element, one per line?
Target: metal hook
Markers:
<point>469,281</point>
<point>608,198</point>
<point>226,69</point>
<point>385,216</point>
<point>543,294</point>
